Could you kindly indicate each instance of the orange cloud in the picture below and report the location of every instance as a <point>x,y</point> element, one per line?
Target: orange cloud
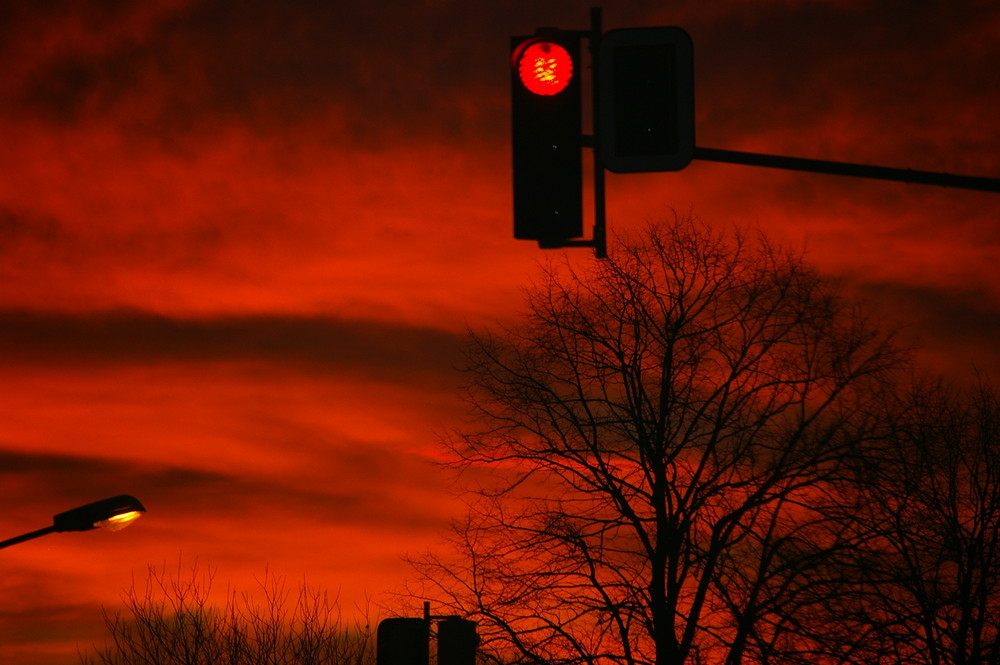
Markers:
<point>240,244</point>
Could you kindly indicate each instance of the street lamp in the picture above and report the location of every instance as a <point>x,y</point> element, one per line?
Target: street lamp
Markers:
<point>112,514</point>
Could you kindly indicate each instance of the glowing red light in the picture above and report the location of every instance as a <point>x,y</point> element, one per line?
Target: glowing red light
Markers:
<point>545,68</point>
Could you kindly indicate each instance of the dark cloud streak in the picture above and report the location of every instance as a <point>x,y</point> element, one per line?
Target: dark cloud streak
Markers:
<point>376,349</point>
<point>61,481</point>
<point>962,325</point>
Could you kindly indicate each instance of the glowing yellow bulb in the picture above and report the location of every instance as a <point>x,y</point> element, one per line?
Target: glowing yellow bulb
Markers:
<point>119,522</point>
<point>545,69</point>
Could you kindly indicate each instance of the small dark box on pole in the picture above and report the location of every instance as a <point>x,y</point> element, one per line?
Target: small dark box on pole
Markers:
<point>457,642</point>
<point>403,641</point>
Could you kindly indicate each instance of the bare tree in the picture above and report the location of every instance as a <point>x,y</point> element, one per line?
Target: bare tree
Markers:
<point>925,573</point>
<point>655,438</point>
<point>170,619</point>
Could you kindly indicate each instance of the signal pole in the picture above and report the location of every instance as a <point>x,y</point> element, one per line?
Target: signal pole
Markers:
<point>600,241</point>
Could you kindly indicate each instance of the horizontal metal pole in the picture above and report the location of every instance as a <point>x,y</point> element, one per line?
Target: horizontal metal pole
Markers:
<point>855,170</point>
<point>27,536</point>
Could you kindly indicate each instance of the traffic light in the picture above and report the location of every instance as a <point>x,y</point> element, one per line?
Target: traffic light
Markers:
<point>645,79</point>
<point>457,642</point>
<point>548,165</point>
<point>402,641</point>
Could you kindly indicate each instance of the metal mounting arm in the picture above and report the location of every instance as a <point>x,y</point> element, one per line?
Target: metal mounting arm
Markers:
<point>842,168</point>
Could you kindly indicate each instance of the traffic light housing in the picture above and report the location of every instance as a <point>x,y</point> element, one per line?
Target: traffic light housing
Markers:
<point>402,641</point>
<point>546,136</point>
<point>457,642</point>
<point>645,106</point>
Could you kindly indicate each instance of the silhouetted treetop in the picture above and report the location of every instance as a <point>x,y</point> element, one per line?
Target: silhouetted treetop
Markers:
<point>661,429</point>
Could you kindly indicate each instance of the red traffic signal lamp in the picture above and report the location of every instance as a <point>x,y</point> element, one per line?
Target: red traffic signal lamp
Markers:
<point>645,105</point>
<point>643,100</point>
<point>546,138</point>
<point>544,66</point>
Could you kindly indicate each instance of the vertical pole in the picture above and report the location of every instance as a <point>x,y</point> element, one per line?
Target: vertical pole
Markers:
<point>427,625</point>
<point>600,236</point>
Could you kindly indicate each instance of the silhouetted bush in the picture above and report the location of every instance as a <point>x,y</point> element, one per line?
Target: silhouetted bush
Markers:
<point>175,618</point>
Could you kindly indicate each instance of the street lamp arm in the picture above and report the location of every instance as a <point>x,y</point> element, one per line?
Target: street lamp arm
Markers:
<point>27,536</point>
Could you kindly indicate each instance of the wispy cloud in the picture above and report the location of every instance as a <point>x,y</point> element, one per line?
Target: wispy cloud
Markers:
<point>375,350</point>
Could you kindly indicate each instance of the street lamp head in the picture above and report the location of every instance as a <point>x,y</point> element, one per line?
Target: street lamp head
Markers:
<point>113,514</point>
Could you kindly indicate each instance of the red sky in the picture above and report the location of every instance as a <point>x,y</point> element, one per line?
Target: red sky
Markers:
<point>240,243</point>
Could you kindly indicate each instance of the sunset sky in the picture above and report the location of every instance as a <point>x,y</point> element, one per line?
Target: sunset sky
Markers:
<point>241,243</point>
